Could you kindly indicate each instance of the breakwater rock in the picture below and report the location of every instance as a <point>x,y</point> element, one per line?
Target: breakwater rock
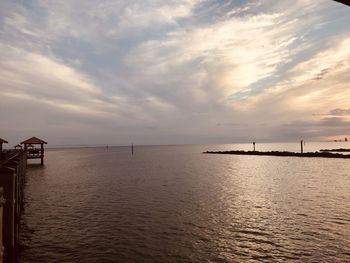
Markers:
<point>325,154</point>
<point>335,150</point>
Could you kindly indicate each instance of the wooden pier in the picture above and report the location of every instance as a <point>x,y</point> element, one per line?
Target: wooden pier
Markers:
<point>32,151</point>
<point>12,175</point>
<point>2,141</point>
<point>13,165</point>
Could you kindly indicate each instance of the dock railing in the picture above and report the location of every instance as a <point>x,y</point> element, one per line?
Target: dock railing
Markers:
<point>34,153</point>
<point>12,172</point>
<point>2,202</point>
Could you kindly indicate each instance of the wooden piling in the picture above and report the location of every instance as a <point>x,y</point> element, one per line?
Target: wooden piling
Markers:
<point>2,141</point>
<point>301,146</point>
<point>2,202</point>
<point>8,181</point>
<point>42,154</point>
<point>12,171</point>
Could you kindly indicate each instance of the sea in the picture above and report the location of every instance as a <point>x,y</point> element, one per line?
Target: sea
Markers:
<point>173,203</point>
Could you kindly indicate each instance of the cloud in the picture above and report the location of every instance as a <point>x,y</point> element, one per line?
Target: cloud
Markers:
<point>340,112</point>
<point>301,92</point>
<point>320,129</point>
<point>173,71</point>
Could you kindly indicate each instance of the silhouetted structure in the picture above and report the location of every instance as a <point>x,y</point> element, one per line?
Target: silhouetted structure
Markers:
<point>18,147</point>
<point>335,150</point>
<point>30,147</point>
<point>285,154</point>
<point>2,202</point>
<point>345,2</point>
<point>12,172</point>
<point>301,146</point>
<point>34,153</point>
<point>2,141</point>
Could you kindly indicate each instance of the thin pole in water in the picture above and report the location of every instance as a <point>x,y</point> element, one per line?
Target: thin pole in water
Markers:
<point>254,146</point>
<point>301,146</point>
<point>132,149</point>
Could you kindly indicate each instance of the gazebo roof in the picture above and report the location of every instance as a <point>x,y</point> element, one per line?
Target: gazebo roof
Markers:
<point>34,140</point>
<point>3,141</point>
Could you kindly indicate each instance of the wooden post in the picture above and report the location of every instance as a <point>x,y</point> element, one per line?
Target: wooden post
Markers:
<point>11,180</point>
<point>254,146</point>
<point>42,154</point>
<point>17,201</point>
<point>132,149</point>
<point>2,202</point>
<point>301,146</point>
<point>7,181</point>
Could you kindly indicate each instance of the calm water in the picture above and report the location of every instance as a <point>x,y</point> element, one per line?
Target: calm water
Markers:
<point>174,204</point>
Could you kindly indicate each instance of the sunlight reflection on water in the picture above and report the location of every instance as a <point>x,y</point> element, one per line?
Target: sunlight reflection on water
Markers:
<point>174,204</point>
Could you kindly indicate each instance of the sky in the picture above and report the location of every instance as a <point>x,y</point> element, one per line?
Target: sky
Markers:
<point>89,72</point>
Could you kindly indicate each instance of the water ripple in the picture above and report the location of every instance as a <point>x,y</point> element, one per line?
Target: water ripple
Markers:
<point>173,204</point>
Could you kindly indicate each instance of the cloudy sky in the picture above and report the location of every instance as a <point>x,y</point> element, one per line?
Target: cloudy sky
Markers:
<point>174,71</point>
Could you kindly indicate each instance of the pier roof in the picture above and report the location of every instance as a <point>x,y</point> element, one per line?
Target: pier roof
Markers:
<point>34,140</point>
<point>345,2</point>
<point>3,141</point>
